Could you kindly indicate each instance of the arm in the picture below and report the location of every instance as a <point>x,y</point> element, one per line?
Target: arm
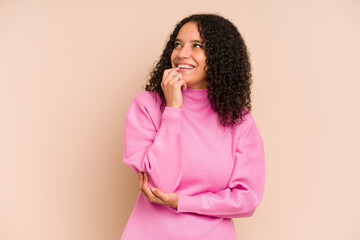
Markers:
<point>151,150</point>
<point>245,187</point>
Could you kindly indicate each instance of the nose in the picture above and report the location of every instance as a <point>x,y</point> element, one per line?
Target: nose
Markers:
<point>184,52</point>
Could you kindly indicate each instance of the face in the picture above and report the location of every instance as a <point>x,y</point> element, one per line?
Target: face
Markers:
<point>189,55</point>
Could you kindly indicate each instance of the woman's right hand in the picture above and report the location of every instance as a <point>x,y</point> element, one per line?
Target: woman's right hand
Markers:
<point>171,85</point>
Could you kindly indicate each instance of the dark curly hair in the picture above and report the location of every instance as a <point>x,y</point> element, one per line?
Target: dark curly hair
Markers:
<point>228,67</point>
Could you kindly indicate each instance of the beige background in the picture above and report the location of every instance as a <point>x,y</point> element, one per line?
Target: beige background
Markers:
<point>69,69</point>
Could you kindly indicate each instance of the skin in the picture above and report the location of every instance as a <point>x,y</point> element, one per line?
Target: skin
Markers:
<point>155,195</point>
<point>188,49</point>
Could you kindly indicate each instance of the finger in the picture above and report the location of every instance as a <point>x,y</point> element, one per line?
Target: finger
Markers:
<point>144,184</point>
<point>180,83</point>
<point>158,193</point>
<point>140,180</point>
<point>166,73</point>
<point>177,75</point>
<point>148,193</point>
<point>169,73</point>
<point>174,81</point>
<point>151,196</point>
<point>172,75</point>
<point>145,179</point>
<point>144,187</point>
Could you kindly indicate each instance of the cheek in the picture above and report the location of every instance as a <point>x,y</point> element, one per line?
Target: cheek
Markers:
<point>202,63</point>
<point>204,60</point>
<point>201,59</point>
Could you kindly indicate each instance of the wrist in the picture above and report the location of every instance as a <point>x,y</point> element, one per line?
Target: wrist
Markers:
<point>174,106</point>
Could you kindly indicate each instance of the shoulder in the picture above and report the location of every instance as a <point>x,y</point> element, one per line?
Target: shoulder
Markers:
<point>145,96</point>
<point>146,99</point>
<point>247,130</point>
<point>146,103</point>
<point>246,122</point>
<point>144,111</point>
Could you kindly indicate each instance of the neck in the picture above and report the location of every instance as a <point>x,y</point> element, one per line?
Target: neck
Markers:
<point>198,86</point>
<point>195,99</point>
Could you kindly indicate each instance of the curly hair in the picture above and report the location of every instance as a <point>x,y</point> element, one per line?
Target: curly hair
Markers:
<point>228,67</point>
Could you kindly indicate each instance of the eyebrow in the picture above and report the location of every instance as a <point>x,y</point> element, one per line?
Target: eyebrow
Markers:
<point>197,41</point>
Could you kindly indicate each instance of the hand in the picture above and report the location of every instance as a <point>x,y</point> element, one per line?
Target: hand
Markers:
<point>155,195</point>
<point>171,85</point>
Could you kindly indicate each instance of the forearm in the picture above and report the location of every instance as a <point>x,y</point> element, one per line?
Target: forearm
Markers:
<point>156,152</point>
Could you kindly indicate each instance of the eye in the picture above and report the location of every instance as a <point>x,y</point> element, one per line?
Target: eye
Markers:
<point>196,45</point>
<point>177,44</point>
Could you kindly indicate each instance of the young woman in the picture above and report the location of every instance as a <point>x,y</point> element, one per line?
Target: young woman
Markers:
<point>192,139</point>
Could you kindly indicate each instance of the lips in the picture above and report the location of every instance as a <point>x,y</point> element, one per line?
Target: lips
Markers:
<point>185,66</point>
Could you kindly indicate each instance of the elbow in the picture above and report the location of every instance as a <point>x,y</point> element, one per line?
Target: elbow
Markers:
<point>247,213</point>
<point>250,209</point>
<point>253,203</point>
<point>243,213</point>
<point>250,213</point>
<point>167,184</point>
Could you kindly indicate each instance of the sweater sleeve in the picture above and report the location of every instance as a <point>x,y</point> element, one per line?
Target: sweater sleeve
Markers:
<point>245,187</point>
<point>151,150</point>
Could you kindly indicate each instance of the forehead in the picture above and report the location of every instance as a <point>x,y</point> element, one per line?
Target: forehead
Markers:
<point>189,31</point>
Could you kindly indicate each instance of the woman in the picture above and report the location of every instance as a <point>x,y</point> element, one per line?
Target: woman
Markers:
<point>192,139</point>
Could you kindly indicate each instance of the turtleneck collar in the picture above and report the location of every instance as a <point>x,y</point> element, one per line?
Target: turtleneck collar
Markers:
<point>195,99</point>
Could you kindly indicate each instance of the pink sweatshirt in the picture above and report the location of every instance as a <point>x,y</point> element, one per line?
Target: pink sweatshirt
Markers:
<point>217,173</point>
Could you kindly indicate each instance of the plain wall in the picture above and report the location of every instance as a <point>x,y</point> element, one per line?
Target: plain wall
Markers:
<point>69,70</point>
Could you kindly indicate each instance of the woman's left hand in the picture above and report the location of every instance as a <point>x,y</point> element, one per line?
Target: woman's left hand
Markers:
<point>154,195</point>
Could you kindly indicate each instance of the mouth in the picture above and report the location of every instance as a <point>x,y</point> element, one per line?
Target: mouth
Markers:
<point>185,67</point>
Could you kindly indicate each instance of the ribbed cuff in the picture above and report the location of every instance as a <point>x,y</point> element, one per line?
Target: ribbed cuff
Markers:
<point>188,204</point>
